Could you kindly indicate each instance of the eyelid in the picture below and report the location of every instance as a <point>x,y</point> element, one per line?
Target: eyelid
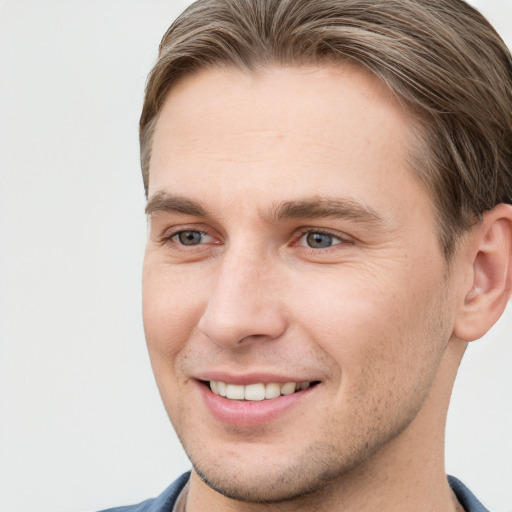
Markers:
<point>202,233</point>
<point>343,237</point>
<point>304,242</point>
<point>170,233</point>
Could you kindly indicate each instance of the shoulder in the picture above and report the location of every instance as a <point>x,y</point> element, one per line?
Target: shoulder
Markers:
<point>466,498</point>
<point>163,503</point>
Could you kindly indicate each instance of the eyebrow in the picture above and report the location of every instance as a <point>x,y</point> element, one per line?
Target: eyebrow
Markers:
<point>162,202</point>
<point>318,207</point>
<point>307,208</point>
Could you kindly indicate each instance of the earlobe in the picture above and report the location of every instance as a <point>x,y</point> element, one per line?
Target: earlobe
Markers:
<point>491,274</point>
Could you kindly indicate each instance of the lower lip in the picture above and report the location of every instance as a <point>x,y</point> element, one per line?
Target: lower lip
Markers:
<point>241,413</point>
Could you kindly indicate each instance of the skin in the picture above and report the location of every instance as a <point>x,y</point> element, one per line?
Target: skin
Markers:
<point>373,317</point>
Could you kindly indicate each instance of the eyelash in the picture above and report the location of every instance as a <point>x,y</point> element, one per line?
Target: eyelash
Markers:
<point>337,239</point>
<point>171,238</point>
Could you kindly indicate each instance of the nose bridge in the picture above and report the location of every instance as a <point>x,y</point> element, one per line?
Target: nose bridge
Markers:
<point>238,284</point>
<point>242,304</point>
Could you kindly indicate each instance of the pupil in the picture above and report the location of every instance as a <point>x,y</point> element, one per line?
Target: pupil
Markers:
<point>189,237</point>
<point>319,240</point>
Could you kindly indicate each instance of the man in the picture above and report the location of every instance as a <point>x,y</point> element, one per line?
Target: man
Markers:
<point>329,192</point>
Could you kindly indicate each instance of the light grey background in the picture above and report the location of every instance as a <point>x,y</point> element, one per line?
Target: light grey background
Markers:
<point>81,424</point>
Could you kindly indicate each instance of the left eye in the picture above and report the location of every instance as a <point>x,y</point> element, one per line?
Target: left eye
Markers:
<point>190,237</point>
<point>319,240</point>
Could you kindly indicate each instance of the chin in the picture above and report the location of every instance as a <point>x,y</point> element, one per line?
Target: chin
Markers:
<point>277,477</point>
<point>264,472</point>
<point>261,487</point>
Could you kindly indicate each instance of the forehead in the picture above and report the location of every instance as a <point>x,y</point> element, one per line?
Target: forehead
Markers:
<point>283,130</point>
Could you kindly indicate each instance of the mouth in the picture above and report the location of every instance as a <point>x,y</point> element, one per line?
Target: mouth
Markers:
<point>248,402</point>
<point>257,392</point>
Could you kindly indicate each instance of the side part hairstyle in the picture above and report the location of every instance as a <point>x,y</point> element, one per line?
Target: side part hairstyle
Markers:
<point>441,58</point>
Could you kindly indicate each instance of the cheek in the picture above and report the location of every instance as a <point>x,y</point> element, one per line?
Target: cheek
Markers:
<point>368,322</point>
<point>171,309</point>
<point>169,320</point>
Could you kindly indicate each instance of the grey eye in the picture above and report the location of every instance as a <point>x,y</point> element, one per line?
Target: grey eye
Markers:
<point>190,237</point>
<point>320,240</point>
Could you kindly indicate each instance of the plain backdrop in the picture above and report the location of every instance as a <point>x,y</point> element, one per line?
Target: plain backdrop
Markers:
<point>81,423</point>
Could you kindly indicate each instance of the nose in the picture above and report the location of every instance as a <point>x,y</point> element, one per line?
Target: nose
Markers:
<point>244,304</point>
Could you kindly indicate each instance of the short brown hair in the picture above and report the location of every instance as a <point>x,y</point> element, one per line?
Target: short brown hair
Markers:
<point>442,58</point>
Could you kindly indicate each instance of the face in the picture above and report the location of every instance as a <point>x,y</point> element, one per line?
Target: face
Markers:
<point>292,264</point>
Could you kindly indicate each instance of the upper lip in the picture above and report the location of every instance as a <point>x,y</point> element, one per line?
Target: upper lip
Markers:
<point>250,378</point>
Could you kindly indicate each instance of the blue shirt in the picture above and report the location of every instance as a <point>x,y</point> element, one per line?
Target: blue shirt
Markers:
<point>165,502</point>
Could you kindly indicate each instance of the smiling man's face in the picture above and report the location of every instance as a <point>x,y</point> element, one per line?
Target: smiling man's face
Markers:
<point>290,247</point>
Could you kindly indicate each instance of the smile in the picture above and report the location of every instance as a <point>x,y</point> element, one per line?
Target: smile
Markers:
<point>256,392</point>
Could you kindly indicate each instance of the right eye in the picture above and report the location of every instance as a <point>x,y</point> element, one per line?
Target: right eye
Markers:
<point>191,237</point>
<point>319,240</point>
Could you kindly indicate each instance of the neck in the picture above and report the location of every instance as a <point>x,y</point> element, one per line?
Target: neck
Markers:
<point>406,474</point>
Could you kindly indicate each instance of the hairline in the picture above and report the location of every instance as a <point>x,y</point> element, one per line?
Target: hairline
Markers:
<point>418,142</point>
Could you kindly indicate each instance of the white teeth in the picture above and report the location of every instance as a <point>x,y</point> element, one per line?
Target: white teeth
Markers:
<point>272,390</point>
<point>222,388</point>
<point>288,388</point>
<point>256,392</point>
<point>235,392</point>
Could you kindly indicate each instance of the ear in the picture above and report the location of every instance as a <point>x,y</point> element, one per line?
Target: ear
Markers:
<point>489,285</point>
